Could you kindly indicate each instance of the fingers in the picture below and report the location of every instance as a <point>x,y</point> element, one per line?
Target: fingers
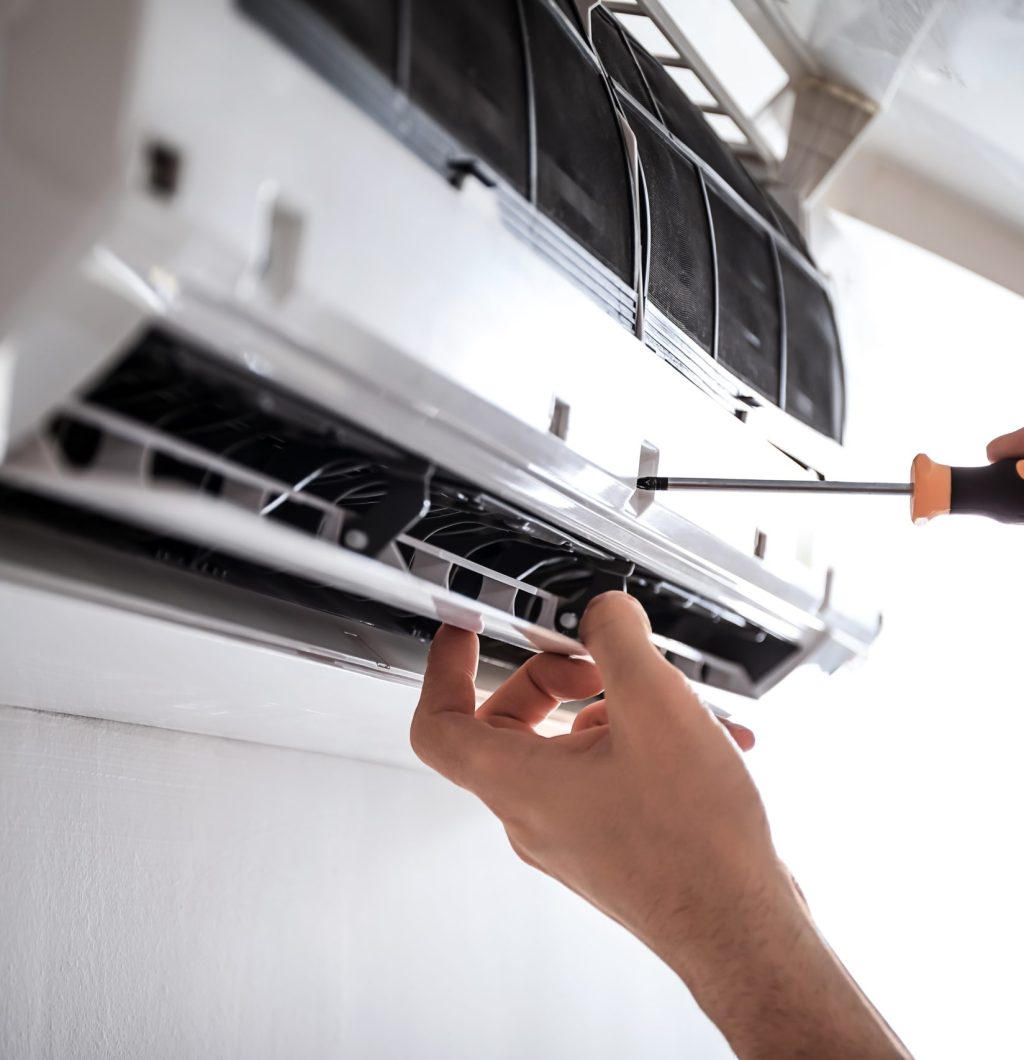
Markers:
<point>743,736</point>
<point>538,686</point>
<point>1006,445</point>
<point>595,715</point>
<point>442,732</point>
<point>592,716</point>
<point>447,734</point>
<point>617,634</point>
<point>449,680</point>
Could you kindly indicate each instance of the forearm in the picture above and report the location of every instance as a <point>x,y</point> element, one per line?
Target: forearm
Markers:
<point>646,810</point>
<point>775,989</point>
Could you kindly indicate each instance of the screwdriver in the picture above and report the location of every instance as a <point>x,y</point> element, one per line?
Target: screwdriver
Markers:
<point>994,490</point>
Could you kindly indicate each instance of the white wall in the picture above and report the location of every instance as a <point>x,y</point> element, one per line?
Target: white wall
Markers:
<point>164,895</point>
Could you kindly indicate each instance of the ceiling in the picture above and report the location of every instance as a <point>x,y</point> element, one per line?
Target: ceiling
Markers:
<point>949,77</point>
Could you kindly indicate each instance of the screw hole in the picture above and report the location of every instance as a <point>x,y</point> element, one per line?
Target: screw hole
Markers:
<point>163,166</point>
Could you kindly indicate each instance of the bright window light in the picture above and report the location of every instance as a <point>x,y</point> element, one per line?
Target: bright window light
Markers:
<point>692,85</point>
<point>648,34</point>
<point>726,128</point>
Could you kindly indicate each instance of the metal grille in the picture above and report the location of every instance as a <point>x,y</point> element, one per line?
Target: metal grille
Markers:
<point>681,282</point>
<point>748,309</point>
<point>617,57</point>
<point>372,28</point>
<point>814,373</point>
<point>582,179</point>
<point>468,71</point>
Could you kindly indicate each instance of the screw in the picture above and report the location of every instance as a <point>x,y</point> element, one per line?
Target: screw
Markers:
<point>356,540</point>
<point>568,620</point>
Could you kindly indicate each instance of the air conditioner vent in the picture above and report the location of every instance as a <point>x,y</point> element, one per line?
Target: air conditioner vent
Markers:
<point>171,416</point>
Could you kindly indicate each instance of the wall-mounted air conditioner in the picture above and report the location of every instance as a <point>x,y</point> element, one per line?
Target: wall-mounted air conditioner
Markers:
<point>326,322</point>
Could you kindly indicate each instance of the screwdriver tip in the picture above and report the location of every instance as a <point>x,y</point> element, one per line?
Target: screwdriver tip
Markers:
<point>651,482</point>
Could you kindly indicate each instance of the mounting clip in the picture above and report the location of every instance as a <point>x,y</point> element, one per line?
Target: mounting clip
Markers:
<point>406,500</point>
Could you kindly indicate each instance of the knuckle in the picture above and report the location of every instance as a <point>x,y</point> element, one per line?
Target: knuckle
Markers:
<point>423,740</point>
<point>418,741</point>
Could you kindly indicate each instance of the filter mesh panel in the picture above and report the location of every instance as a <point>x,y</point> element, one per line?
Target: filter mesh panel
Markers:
<point>570,10</point>
<point>582,179</point>
<point>748,307</point>
<point>681,281</point>
<point>814,375</point>
<point>468,71</point>
<point>619,62</point>
<point>685,120</point>
<point>371,27</point>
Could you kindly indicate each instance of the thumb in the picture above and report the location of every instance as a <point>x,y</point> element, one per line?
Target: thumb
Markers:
<point>1006,445</point>
<point>616,631</point>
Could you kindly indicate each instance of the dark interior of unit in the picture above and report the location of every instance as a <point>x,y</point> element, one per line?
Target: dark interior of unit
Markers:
<point>523,96</point>
<point>371,494</point>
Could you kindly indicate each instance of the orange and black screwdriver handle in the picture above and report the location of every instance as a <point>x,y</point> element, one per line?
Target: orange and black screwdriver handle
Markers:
<point>995,490</point>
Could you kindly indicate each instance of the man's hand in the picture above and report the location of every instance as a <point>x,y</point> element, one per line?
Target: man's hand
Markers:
<point>609,809</point>
<point>647,810</point>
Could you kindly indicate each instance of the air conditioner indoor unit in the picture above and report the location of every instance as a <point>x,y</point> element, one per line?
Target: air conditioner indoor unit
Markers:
<point>324,322</point>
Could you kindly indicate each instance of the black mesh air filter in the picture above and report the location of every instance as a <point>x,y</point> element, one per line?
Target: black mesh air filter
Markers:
<point>617,57</point>
<point>468,70</point>
<point>569,8</point>
<point>371,26</point>
<point>748,300</point>
<point>685,120</point>
<point>814,372</point>
<point>682,280</point>
<point>582,179</point>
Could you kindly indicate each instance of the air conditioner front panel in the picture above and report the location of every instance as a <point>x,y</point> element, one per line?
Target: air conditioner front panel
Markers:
<point>280,229</point>
<point>226,472</point>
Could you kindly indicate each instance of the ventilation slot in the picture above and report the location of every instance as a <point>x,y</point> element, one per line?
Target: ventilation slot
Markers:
<point>211,456</point>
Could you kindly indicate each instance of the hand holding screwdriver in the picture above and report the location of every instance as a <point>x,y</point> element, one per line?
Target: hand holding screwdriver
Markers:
<point>995,490</point>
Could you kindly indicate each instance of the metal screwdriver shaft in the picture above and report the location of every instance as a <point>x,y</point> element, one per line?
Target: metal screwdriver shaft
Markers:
<point>993,490</point>
<point>656,482</point>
